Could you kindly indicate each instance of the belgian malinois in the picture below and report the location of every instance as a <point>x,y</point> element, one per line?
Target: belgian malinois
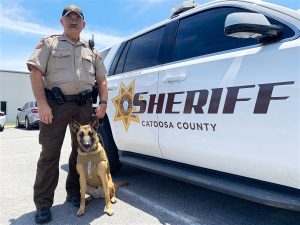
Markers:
<point>93,167</point>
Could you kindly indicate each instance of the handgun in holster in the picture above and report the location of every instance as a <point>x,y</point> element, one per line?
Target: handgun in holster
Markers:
<point>82,98</point>
<point>58,95</point>
<point>95,93</point>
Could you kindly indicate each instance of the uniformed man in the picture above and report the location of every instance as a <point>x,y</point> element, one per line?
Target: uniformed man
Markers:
<point>63,71</point>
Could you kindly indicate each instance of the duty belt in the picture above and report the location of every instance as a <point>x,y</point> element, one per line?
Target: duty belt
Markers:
<point>82,98</point>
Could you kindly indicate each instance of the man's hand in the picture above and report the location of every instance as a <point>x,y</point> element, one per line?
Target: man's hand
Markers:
<point>45,113</point>
<point>100,111</point>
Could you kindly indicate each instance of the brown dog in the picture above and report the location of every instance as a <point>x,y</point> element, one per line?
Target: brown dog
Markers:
<point>93,167</point>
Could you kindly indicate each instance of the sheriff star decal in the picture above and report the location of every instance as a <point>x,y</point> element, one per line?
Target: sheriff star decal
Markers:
<point>124,107</point>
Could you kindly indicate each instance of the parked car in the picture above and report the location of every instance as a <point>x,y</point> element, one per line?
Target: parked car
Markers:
<point>2,120</point>
<point>211,97</point>
<point>28,115</point>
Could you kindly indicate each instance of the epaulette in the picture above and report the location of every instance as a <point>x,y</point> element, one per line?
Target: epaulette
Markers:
<point>54,35</point>
<point>49,39</point>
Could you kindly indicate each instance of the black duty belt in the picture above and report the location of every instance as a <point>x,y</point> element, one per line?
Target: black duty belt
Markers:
<point>68,98</point>
<point>81,98</point>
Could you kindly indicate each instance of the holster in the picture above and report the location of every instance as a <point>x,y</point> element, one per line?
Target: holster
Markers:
<point>58,95</point>
<point>82,98</point>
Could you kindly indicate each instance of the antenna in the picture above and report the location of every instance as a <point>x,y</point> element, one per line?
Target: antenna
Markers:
<point>91,42</point>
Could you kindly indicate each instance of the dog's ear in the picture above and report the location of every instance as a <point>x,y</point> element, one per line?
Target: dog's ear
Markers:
<point>75,126</point>
<point>94,123</point>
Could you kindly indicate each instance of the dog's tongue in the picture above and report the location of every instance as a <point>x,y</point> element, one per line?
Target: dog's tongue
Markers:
<point>87,149</point>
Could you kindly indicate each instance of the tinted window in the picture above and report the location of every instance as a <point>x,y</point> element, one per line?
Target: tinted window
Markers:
<point>26,105</point>
<point>143,50</point>
<point>33,104</point>
<point>120,66</point>
<point>203,33</point>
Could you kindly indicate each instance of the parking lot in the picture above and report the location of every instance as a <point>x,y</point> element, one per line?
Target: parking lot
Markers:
<point>149,198</point>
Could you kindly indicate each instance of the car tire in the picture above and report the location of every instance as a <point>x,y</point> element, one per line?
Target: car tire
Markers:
<point>1,129</point>
<point>109,145</point>
<point>18,125</point>
<point>27,124</point>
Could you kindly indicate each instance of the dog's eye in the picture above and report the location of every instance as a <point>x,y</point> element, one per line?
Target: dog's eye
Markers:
<point>90,133</point>
<point>81,134</point>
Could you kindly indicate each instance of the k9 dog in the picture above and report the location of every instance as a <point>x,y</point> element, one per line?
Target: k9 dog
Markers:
<point>93,167</point>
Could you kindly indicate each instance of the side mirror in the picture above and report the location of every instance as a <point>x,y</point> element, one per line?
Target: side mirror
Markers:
<point>19,109</point>
<point>251,25</point>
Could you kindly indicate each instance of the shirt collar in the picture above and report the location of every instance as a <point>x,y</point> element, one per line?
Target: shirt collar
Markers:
<point>64,37</point>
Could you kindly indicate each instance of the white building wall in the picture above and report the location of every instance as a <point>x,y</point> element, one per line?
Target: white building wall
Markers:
<point>15,89</point>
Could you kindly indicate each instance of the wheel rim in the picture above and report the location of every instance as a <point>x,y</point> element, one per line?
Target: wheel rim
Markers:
<point>26,123</point>
<point>17,122</point>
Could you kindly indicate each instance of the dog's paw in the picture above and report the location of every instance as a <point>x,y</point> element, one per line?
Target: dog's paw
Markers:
<point>80,212</point>
<point>109,211</point>
<point>113,200</point>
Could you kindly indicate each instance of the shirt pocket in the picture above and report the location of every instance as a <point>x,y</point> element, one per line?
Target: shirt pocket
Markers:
<point>88,62</point>
<point>61,59</point>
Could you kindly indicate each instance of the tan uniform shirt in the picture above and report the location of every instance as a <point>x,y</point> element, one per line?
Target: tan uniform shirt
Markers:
<point>71,67</point>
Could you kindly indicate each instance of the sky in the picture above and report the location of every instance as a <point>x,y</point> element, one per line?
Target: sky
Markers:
<point>23,23</point>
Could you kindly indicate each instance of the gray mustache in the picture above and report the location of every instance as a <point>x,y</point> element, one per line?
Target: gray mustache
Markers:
<point>73,26</point>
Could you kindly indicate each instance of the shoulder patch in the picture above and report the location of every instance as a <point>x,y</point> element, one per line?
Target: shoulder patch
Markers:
<point>39,45</point>
<point>97,54</point>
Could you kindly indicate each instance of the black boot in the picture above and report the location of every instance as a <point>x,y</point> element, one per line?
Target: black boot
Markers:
<point>74,200</point>
<point>43,215</point>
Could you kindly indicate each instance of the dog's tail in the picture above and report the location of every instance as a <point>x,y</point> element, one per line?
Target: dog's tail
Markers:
<point>120,184</point>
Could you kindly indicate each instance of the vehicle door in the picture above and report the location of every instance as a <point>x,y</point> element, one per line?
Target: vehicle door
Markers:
<point>229,104</point>
<point>133,77</point>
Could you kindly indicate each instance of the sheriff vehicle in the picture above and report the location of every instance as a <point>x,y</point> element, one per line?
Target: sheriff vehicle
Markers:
<point>211,96</point>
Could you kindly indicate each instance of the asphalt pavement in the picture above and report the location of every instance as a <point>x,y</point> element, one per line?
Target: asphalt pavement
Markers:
<point>149,198</point>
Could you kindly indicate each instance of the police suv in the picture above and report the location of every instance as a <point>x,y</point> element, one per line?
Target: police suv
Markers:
<point>211,96</point>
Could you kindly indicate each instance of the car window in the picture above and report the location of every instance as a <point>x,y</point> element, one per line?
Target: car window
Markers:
<point>120,65</point>
<point>32,104</point>
<point>143,50</point>
<point>25,106</point>
<point>203,33</point>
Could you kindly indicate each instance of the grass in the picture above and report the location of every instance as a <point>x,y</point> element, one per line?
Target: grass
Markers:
<point>10,124</point>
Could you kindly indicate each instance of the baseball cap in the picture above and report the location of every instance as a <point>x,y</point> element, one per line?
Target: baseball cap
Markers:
<point>72,8</point>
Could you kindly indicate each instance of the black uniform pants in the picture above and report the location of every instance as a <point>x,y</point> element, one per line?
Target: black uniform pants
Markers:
<point>51,138</point>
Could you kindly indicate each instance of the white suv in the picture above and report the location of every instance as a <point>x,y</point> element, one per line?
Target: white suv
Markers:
<point>211,96</point>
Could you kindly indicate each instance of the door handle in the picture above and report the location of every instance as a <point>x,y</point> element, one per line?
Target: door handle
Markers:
<point>112,87</point>
<point>171,79</point>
